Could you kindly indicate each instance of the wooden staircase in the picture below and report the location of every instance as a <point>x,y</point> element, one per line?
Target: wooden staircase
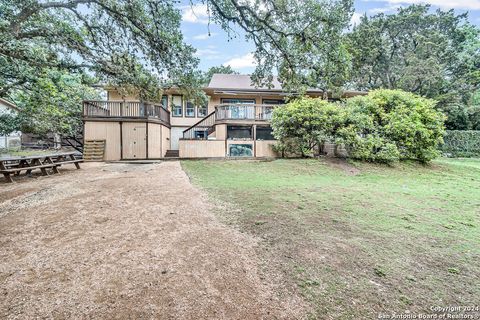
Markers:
<point>172,154</point>
<point>93,150</point>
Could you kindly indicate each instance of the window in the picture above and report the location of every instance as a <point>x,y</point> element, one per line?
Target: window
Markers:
<point>201,134</point>
<point>202,111</point>
<point>264,133</point>
<point>240,150</point>
<point>177,108</point>
<point>238,101</point>
<point>190,110</point>
<point>165,102</point>
<point>272,101</point>
<point>239,132</point>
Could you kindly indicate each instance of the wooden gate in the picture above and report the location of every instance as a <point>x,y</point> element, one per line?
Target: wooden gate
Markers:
<point>134,140</point>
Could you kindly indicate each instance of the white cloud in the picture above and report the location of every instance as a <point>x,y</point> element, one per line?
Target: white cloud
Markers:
<point>204,36</point>
<point>245,61</point>
<point>197,13</point>
<point>387,8</point>
<point>444,4</point>
<point>355,18</point>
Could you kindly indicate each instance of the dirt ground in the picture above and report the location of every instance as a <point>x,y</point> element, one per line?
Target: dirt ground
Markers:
<point>129,241</point>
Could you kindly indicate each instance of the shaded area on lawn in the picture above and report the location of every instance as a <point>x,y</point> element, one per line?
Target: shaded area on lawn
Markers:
<point>384,239</point>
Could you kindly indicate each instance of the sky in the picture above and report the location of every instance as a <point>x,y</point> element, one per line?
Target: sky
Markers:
<point>214,47</point>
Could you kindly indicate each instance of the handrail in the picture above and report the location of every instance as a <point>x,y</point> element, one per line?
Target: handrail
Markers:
<point>125,109</point>
<point>206,123</point>
<point>244,111</point>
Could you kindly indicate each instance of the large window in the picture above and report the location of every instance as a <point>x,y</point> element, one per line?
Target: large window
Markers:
<point>264,133</point>
<point>201,111</point>
<point>165,102</point>
<point>190,110</point>
<point>177,106</point>
<point>240,150</point>
<point>239,132</point>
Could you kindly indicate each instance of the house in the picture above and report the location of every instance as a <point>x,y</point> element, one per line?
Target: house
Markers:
<point>234,123</point>
<point>13,140</point>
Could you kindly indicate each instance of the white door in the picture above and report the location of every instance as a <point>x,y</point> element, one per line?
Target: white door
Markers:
<point>175,134</point>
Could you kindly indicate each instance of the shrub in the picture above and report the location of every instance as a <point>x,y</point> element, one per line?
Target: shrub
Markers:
<point>389,125</point>
<point>461,143</point>
<point>304,123</point>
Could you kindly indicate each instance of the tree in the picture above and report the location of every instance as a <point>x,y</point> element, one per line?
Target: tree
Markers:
<point>9,123</point>
<point>301,40</point>
<point>436,55</point>
<point>54,104</point>
<point>217,69</point>
<point>126,43</point>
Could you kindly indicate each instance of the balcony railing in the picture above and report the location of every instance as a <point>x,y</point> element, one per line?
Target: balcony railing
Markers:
<point>125,109</point>
<point>244,111</point>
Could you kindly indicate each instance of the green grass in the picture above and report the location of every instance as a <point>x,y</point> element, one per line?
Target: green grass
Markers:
<point>381,239</point>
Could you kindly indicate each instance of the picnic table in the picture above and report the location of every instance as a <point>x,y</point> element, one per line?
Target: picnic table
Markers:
<point>14,165</point>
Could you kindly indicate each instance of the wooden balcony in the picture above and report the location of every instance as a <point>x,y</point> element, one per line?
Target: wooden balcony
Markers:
<point>125,110</point>
<point>253,112</point>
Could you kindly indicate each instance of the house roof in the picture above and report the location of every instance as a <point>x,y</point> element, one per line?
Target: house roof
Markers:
<point>243,83</point>
<point>9,104</point>
<point>238,82</point>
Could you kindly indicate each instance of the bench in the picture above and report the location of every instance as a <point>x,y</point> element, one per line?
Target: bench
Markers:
<point>15,165</point>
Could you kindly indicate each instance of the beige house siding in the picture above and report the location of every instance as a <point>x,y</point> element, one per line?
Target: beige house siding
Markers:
<point>263,148</point>
<point>108,131</point>
<point>201,149</point>
<point>154,141</point>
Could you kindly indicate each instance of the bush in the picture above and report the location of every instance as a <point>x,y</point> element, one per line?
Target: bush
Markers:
<point>461,143</point>
<point>390,125</point>
<point>303,123</point>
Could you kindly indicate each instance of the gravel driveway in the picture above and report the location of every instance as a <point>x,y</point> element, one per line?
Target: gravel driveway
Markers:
<point>128,241</point>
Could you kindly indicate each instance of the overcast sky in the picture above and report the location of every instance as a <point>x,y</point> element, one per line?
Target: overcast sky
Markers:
<point>214,47</point>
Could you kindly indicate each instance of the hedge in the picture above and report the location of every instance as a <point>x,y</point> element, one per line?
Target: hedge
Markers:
<point>461,143</point>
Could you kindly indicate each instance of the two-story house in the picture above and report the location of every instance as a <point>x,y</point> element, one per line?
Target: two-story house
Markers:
<point>234,123</point>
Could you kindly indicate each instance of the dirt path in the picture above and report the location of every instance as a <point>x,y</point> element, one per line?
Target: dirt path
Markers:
<point>127,241</point>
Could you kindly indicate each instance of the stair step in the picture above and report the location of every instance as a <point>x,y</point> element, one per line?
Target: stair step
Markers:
<point>172,154</point>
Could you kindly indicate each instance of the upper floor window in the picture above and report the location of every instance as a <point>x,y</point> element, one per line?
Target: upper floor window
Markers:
<point>190,109</point>
<point>272,101</point>
<point>177,106</point>
<point>165,102</point>
<point>201,111</point>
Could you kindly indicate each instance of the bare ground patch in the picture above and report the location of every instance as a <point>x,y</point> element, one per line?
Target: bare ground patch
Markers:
<point>129,241</point>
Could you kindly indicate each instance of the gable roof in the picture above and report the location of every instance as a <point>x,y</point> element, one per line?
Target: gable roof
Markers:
<point>9,104</point>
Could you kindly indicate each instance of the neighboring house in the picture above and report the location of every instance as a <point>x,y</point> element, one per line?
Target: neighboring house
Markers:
<point>14,139</point>
<point>234,123</point>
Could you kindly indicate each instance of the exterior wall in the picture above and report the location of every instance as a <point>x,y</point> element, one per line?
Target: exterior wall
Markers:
<point>201,149</point>
<point>108,131</point>
<point>154,141</point>
<point>176,133</point>
<point>165,140</point>
<point>263,148</point>
<point>221,132</point>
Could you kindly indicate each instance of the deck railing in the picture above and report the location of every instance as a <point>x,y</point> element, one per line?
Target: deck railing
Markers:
<point>125,109</point>
<point>202,129</point>
<point>244,111</point>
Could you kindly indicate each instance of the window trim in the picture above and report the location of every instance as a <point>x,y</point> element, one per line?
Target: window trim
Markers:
<point>181,106</point>
<point>206,111</point>
<point>186,106</point>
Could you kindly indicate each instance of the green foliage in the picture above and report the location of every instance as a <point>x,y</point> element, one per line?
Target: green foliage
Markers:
<point>461,143</point>
<point>54,104</point>
<point>301,41</point>
<point>303,123</point>
<point>125,43</point>
<point>9,123</point>
<point>391,125</point>
<point>384,126</point>
<point>433,54</point>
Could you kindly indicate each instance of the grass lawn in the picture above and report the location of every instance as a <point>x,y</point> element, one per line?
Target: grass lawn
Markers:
<point>358,239</point>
